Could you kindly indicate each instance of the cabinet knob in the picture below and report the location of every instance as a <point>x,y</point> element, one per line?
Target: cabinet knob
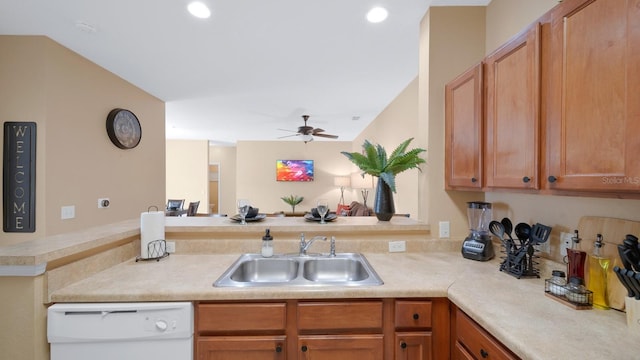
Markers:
<point>526,179</point>
<point>403,345</point>
<point>552,179</point>
<point>484,354</point>
<point>304,348</point>
<point>279,348</point>
<point>474,180</point>
<point>416,316</point>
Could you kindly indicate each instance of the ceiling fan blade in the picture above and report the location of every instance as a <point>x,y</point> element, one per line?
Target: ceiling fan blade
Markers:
<point>286,136</point>
<point>288,130</point>
<point>327,136</point>
<point>317,130</point>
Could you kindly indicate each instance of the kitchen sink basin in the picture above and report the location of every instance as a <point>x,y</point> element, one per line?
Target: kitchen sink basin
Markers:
<point>345,269</point>
<point>334,269</point>
<point>266,270</point>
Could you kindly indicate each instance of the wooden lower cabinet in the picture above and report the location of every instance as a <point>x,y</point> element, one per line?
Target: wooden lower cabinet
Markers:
<point>347,347</point>
<point>471,341</point>
<point>414,345</point>
<point>362,329</point>
<point>241,348</point>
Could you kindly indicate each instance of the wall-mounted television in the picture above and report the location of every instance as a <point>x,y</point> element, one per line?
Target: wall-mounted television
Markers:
<point>294,170</point>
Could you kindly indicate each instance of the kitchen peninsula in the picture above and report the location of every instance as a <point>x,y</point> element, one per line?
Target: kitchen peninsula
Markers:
<point>98,265</point>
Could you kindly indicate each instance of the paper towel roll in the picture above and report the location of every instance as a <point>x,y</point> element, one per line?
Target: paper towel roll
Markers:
<point>151,229</point>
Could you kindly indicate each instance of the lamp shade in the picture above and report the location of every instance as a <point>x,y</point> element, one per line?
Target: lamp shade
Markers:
<point>342,181</point>
<point>359,182</point>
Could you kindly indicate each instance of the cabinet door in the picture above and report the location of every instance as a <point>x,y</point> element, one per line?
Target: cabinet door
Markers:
<point>343,347</point>
<point>594,115</point>
<point>512,80</point>
<point>413,346</point>
<point>242,348</point>
<point>463,131</point>
<point>477,341</point>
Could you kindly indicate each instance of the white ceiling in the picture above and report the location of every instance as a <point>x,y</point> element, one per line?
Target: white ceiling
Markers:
<point>252,68</point>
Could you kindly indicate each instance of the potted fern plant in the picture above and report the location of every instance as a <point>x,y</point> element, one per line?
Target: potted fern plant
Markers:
<point>374,161</point>
<point>292,200</point>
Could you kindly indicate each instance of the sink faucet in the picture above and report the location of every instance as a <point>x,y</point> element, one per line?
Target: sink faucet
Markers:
<point>305,245</point>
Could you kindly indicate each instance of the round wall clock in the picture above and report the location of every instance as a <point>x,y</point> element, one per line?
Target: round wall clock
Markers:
<point>123,128</point>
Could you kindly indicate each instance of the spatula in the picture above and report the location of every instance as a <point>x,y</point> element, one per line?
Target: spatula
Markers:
<point>539,233</point>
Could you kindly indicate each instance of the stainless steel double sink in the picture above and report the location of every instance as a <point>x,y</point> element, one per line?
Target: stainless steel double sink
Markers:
<point>344,269</point>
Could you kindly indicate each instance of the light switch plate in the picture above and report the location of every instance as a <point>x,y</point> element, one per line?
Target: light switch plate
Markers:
<point>445,231</point>
<point>171,247</point>
<point>67,212</point>
<point>397,246</point>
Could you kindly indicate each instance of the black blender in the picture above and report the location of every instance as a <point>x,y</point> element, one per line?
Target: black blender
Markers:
<point>478,246</point>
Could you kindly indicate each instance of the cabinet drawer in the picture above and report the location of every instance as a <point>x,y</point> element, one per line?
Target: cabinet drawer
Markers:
<point>413,314</point>
<point>479,342</point>
<point>340,315</point>
<point>242,317</point>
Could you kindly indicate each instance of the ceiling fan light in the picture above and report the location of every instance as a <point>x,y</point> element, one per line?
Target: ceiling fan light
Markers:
<point>306,138</point>
<point>377,14</point>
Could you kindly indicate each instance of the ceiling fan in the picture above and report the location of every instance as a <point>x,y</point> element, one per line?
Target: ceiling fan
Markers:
<point>308,132</point>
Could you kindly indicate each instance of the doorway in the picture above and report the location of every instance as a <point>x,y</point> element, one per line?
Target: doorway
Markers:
<point>214,188</point>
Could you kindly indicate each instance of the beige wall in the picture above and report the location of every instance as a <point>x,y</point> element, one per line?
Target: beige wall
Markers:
<point>256,173</point>
<point>76,163</point>
<point>506,18</point>
<point>442,59</point>
<point>396,123</point>
<point>187,172</point>
<point>69,98</point>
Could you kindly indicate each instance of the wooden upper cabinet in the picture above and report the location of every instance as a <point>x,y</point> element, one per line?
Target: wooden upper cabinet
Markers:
<point>463,131</point>
<point>512,113</point>
<point>593,119</point>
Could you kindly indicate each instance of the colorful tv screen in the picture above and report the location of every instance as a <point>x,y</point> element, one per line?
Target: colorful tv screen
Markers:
<point>294,170</point>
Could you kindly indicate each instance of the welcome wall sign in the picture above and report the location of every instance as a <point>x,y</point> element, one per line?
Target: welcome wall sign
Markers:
<point>19,177</point>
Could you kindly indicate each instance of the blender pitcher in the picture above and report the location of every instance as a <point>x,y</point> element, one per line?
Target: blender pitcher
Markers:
<point>478,246</point>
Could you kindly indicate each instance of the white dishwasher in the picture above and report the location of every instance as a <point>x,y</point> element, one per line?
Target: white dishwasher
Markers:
<point>123,331</point>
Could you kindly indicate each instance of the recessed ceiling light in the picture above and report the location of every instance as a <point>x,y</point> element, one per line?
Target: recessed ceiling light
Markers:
<point>377,14</point>
<point>199,10</point>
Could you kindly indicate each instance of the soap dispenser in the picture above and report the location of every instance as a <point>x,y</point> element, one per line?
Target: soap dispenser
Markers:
<point>598,267</point>
<point>267,245</point>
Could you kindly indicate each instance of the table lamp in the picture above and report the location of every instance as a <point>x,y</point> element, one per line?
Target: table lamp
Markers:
<point>364,183</point>
<point>342,182</point>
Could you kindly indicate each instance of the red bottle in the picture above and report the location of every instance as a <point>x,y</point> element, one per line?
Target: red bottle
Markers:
<point>575,258</point>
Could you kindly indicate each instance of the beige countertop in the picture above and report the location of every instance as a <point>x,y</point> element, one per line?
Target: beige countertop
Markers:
<point>515,311</point>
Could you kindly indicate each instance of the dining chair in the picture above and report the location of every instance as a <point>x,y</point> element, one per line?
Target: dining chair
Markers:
<point>193,208</point>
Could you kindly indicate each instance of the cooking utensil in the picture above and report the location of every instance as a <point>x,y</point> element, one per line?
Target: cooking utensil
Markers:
<point>522,232</point>
<point>539,233</point>
<point>497,230</point>
<point>623,280</point>
<point>508,227</point>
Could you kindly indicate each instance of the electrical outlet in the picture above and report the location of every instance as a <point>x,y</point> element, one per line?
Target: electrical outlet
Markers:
<point>444,229</point>
<point>565,243</point>
<point>397,246</point>
<point>67,212</point>
<point>103,203</point>
<point>171,247</point>
<point>545,247</point>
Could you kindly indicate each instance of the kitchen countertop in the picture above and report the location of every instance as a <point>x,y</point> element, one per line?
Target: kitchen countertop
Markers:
<point>515,311</point>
